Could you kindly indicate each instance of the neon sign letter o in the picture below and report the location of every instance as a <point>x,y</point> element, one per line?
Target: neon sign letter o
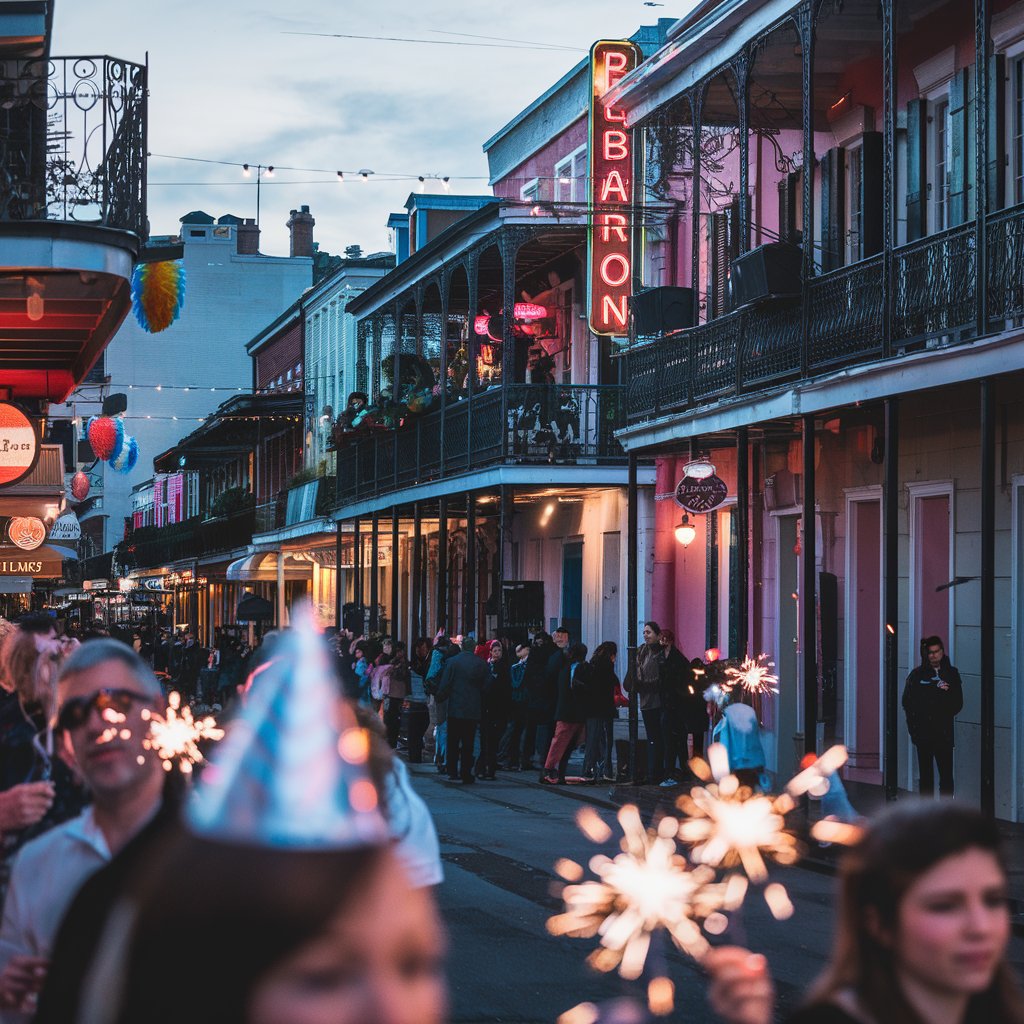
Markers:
<point>623,268</point>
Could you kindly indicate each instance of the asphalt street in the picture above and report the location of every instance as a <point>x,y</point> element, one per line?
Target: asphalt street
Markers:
<point>499,841</point>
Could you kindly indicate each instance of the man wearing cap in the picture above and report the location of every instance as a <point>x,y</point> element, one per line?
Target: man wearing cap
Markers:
<point>104,688</point>
<point>462,685</point>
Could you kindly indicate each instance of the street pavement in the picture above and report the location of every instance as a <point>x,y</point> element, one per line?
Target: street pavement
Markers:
<point>499,841</point>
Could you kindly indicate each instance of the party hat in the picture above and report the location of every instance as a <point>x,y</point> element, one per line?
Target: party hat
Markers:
<point>292,772</point>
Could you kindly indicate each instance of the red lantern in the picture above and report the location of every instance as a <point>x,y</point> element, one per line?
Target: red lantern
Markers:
<point>79,486</point>
<point>106,436</point>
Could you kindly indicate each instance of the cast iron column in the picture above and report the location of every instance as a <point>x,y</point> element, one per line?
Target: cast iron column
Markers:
<point>891,597</point>
<point>632,571</point>
<point>805,22</point>
<point>982,48</point>
<point>374,572</point>
<point>469,593</point>
<point>442,565</point>
<point>357,568</point>
<point>339,594</point>
<point>742,539</point>
<point>696,112</point>
<point>808,593</point>
<point>396,629</point>
<point>504,566</point>
<point>987,658</point>
<point>414,571</point>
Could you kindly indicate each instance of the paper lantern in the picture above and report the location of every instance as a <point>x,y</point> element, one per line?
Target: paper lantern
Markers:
<point>128,456</point>
<point>106,436</point>
<point>79,486</point>
<point>158,293</point>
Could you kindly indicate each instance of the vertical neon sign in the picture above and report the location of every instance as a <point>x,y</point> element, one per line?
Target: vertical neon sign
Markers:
<point>611,191</point>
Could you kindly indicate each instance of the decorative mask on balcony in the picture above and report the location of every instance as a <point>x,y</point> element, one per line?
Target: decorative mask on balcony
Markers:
<point>158,293</point>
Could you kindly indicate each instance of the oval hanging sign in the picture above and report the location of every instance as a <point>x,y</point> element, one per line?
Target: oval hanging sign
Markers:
<point>701,495</point>
<point>27,532</point>
<point>19,445</point>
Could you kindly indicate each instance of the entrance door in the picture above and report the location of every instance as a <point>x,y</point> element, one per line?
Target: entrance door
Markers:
<point>611,610</point>
<point>789,704</point>
<point>572,587</point>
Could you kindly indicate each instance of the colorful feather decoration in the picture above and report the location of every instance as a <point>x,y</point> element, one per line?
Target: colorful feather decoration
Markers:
<point>125,462</point>
<point>106,436</point>
<point>158,293</point>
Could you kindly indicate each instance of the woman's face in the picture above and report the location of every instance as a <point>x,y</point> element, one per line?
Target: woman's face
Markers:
<point>380,960</point>
<point>496,652</point>
<point>954,924</point>
<point>650,637</point>
<point>388,648</point>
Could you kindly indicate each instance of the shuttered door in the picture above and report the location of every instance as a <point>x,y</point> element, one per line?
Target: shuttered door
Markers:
<point>916,164</point>
<point>833,218</point>
<point>959,158</point>
<point>871,194</point>
<point>996,125</point>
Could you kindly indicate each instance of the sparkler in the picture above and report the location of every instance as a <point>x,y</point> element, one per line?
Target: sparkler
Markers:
<point>753,675</point>
<point>646,888</point>
<point>176,736</point>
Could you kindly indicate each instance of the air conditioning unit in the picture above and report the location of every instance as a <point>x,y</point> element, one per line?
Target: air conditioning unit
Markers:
<point>662,310</point>
<point>767,272</point>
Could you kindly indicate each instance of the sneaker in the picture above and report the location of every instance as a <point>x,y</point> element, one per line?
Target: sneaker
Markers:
<point>668,783</point>
<point>549,780</point>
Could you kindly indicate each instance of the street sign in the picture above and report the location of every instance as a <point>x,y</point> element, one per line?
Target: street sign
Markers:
<point>701,495</point>
<point>19,444</point>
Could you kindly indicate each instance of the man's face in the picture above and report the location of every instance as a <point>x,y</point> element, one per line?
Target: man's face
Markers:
<point>935,655</point>
<point>561,639</point>
<point>107,745</point>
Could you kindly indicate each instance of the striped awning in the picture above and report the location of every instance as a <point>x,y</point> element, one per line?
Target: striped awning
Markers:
<point>262,568</point>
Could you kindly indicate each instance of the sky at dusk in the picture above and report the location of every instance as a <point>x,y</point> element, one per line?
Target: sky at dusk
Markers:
<point>228,82</point>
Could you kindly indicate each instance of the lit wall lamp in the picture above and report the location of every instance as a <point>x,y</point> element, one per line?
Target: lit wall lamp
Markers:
<point>685,533</point>
<point>545,516</point>
<point>34,308</point>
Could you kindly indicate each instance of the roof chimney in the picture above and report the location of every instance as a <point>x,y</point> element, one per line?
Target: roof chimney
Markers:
<point>248,237</point>
<point>300,224</point>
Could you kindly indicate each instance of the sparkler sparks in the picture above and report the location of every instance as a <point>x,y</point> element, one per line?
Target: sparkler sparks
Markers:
<point>753,675</point>
<point>176,736</point>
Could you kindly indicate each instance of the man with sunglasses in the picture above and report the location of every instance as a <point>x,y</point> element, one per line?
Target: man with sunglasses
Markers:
<point>103,689</point>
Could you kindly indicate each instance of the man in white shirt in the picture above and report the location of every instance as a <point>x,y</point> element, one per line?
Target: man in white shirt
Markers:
<point>104,687</point>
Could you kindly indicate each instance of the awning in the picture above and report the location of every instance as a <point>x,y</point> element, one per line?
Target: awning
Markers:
<point>262,567</point>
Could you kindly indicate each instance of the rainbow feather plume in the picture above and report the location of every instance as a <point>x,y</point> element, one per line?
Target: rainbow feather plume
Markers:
<point>158,293</point>
<point>129,455</point>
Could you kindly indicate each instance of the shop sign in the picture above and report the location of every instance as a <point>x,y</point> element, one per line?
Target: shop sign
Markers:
<point>701,495</point>
<point>95,584</point>
<point>39,565</point>
<point>185,578</point>
<point>154,583</point>
<point>26,532</point>
<point>66,528</point>
<point>19,445</point>
<point>610,197</point>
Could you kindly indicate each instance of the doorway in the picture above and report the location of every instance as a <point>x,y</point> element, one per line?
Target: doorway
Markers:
<point>787,640</point>
<point>572,587</point>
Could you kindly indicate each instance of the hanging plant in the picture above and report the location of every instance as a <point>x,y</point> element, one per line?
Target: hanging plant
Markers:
<point>129,455</point>
<point>106,436</point>
<point>158,293</point>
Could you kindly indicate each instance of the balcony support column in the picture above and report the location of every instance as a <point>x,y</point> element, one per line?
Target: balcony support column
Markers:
<point>987,654</point>
<point>805,23</point>
<point>697,115</point>
<point>357,572</point>
<point>442,564</point>
<point>510,242</point>
<point>982,50</point>
<point>808,592</point>
<point>506,496</point>
<point>281,607</point>
<point>469,592</point>
<point>339,590</point>
<point>395,397</point>
<point>632,576</point>
<point>891,597</point>
<point>395,579</point>
<point>415,574</point>
<point>374,573</point>
<point>742,538</point>
<point>472,266</point>
<point>741,68</point>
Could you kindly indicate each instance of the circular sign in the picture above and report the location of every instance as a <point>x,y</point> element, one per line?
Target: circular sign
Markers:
<point>701,495</point>
<point>19,444</point>
<point>27,532</point>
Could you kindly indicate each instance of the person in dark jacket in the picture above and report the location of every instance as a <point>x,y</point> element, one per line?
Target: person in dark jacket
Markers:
<point>558,658</point>
<point>570,714</point>
<point>647,679</point>
<point>675,687</point>
<point>511,748</point>
<point>462,686</point>
<point>539,709</point>
<point>932,698</point>
<point>495,711</point>
<point>599,710</point>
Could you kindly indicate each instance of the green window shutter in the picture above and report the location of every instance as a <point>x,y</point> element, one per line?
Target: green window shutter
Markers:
<point>959,160</point>
<point>832,210</point>
<point>916,164</point>
<point>996,127</point>
<point>871,194</point>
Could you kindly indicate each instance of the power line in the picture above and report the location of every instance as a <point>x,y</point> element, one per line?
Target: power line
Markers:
<point>440,42</point>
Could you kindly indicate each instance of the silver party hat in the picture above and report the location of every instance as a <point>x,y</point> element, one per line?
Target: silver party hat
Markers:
<point>292,771</point>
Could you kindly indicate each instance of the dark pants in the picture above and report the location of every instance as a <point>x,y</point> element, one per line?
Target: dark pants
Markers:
<point>676,741</point>
<point>393,719</point>
<point>491,729</point>
<point>461,733</point>
<point>928,753</point>
<point>655,745</point>
<point>417,718</point>
<point>510,749</point>
<point>539,730</point>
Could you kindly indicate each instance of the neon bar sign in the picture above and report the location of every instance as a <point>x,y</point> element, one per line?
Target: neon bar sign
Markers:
<point>611,191</point>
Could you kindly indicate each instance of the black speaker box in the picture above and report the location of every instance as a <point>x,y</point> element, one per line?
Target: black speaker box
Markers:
<point>769,271</point>
<point>662,310</point>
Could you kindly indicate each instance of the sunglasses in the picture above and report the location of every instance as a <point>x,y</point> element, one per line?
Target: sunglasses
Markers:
<point>75,712</point>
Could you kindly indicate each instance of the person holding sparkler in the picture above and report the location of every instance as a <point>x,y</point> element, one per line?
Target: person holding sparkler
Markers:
<point>921,938</point>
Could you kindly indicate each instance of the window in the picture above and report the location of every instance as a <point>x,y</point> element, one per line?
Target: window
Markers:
<point>1017,129</point>
<point>940,186</point>
<point>530,192</point>
<point>571,177</point>
<point>855,177</point>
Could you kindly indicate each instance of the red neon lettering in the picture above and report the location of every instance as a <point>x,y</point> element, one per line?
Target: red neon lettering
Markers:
<point>613,114</point>
<point>610,309</point>
<point>613,186</point>
<point>615,60</point>
<point>616,145</point>
<point>613,222</point>
<point>606,265</point>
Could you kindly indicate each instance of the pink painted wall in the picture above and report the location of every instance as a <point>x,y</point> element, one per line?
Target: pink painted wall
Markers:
<point>542,163</point>
<point>867,540</point>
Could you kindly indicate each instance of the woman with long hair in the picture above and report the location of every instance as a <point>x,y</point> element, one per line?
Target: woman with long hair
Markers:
<point>394,682</point>
<point>599,708</point>
<point>921,934</point>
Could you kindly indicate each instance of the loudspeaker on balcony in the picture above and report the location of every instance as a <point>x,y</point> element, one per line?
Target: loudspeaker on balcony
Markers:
<point>769,271</point>
<point>662,310</point>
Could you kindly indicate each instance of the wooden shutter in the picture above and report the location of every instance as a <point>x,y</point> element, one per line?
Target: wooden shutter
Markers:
<point>917,162</point>
<point>872,187</point>
<point>996,126</point>
<point>832,209</point>
<point>958,160</point>
<point>718,264</point>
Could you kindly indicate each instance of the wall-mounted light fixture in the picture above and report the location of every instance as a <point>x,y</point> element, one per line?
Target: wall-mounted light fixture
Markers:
<point>685,532</point>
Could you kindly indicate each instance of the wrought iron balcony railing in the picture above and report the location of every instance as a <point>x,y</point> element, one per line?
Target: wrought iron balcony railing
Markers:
<point>150,546</point>
<point>73,141</point>
<point>934,303</point>
<point>543,423</point>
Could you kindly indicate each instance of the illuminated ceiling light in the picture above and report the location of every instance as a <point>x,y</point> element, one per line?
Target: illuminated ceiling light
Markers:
<point>545,516</point>
<point>34,308</point>
<point>444,181</point>
<point>365,174</point>
<point>269,172</point>
<point>423,184</point>
<point>246,171</point>
<point>685,533</point>
<point>341,176</point>
<point>699,469</point>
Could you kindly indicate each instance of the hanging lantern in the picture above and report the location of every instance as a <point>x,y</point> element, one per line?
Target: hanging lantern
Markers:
<point>685,532</point>
<point>79,486</point>
<point>129,455</point>
<point>106,436</point>
<point>158,293</point>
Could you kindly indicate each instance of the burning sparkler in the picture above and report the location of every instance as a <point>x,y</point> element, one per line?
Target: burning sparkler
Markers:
<point>753,675</point>
<point>176,736</point>
<point>647,888</point>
